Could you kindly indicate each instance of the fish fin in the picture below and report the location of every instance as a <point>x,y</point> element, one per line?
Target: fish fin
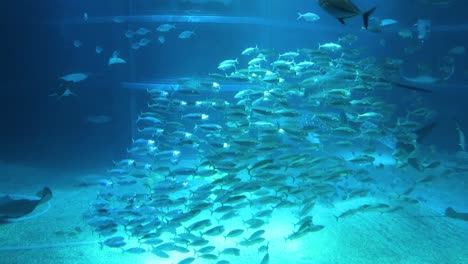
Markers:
<point>45,194</point>
<point>366,15</point>
<point>341,20</point>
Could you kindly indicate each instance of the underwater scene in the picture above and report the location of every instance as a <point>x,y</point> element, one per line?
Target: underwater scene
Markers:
<point>234,131</point>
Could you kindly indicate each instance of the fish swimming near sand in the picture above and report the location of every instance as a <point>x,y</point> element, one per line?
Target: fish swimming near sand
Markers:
<point>13,206</point>
<point>450,212</point>
<point>343,9</point>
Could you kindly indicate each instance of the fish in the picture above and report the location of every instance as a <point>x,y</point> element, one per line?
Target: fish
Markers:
<point>257,150</point>
<point>99,49</point>
<point>231,251</point>
<point>450,212</point>
<point>77,43</point>
<point>160,253</point>
<point>208,256</point>
<point>250,50</point>
<point>187,260</point>
<point>205,250</point>
<point>266,259</point>
<point>215,231</point>
<point>136,250</point>
<point>387,22</point>
<point>65,93</point>
<point>330,46</point>
<point>142,31</point>
<point>12,206</point>
<point>114,242</point>
<point>461,138</point>
<point>234,233</point>
<point>165,27</point>
<point>422,79</point>
<point>143,42</point>
<point>115,59</point>
<point>75,77</point>
<point>310,17</point>
<point>247,243</point>
<point>411,87</point>
<point>186,34</point>
<point>343,9</point>
<point>118,19</point>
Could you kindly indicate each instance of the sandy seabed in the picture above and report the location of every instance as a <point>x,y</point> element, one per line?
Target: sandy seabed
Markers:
<point>417,234</point>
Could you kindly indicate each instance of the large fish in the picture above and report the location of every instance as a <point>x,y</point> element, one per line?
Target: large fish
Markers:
<point>12,207</point>
<point>343,9</point>
<point>450,212</point>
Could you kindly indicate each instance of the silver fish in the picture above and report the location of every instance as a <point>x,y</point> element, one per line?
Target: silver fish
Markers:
<point>343,9</point>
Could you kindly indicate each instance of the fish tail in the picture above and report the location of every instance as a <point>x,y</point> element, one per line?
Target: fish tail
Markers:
<point>366,15</point>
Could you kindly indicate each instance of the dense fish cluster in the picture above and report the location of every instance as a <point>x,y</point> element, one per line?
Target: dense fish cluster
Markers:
<point>208,173</point>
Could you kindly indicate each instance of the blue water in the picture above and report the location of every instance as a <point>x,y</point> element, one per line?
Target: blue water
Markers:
<point>70,144</point>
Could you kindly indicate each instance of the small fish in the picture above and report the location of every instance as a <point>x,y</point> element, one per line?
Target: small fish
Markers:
<point>266,259</point>
<point>186,34</point>
<point>247,243</point>
<point>75,77</point>
<point>142,31</point>
<point>136,250</point>
<point>343,9</point>
<point>77,43</point>
<point>310,17</point>
<point>215,231</point>
<point>330,46</point>
<point>205,250</point>
<point>411,87</point>
<point>256,234</point>
<point>129,34</point>
<point>234,233</point>
<point>114,242</point>
<point>231,251</point>
<point>264,248</point>
<point>387,22</point>
<point>186,260</point>
<point>118,19</point>
<point>162,39</point>
<point>165,27</point>
<point>209,256</point>
<point>135,45</point>
<point>143,42</point>
<point>99,49</point>
<point>250,51</point>
<point>160,253</point>
<point>405,33</point>
<point>461,138</point>
<point>115,59</point>
<point>370,114</point>
<point>67,92</point>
